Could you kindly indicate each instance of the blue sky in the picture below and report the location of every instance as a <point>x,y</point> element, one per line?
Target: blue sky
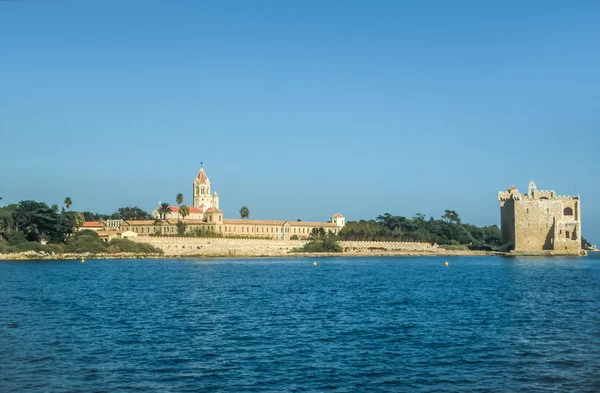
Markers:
<point>301,109</point>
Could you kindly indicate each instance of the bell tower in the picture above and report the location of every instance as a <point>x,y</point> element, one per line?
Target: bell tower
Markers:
<point>532,189</point>
<point>201,189</point>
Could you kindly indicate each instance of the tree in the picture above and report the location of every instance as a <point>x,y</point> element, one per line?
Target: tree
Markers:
<point>157,226</point>
<point>321,241</point>
<point>419,217</point>
<point>244,212</point>
<point>451,216</point>
<point>163,210</point>
<point>184,210</point>
<point>36,220</point>
<point>179,198</point>
<point>79,219</point>
<point>181,227</point>
<point>68,202</point>
<point>130,213</point>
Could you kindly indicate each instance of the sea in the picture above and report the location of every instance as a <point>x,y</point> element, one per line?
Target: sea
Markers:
<point>348,324</point>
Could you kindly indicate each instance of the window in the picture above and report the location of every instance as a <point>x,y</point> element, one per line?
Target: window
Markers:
<point>567,234</point>
<point>568,211</point>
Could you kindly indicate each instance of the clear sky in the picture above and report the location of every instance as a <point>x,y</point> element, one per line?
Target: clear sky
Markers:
<point>300,109</point>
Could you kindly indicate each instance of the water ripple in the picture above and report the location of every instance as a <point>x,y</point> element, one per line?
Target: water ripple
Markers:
<point>483,324</point>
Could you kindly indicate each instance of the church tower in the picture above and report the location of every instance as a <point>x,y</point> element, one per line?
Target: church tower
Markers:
<point>201,191</point>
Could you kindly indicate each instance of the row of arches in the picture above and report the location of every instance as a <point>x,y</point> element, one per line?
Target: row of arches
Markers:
<point>202,191</point>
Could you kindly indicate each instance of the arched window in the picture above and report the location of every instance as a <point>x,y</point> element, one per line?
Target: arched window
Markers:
<point>568,211</point>
<point>196,190</point>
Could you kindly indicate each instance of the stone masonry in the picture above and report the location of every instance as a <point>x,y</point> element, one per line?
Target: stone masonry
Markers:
<point>540,222</point>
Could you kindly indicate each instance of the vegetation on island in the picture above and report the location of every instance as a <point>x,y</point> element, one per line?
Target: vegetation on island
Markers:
<point>244,213</point>
<point>447,231</point>
<point>320,240</point>
<point>26,225</point>
<point>123,213</point>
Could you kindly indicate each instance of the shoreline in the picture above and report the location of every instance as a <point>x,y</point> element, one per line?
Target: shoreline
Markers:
<point>41,256</point>
<point>32,255</point>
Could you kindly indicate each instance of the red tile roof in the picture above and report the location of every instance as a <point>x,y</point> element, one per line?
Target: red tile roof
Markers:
<point>202,176</point>
<point>511,188</point>
<point>92,224</point>
<point>338,215</point>
<point>212,209</point>
<point>175,209</point>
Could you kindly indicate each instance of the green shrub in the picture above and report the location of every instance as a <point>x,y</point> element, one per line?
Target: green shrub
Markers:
<point>31,246</point>
<point>321,241</point>
<point>84,233</point>
<point>15,237</point>
<point>55,248</point>
<point>124,245</point>
<point>83,244</point>
<point>5,247</point>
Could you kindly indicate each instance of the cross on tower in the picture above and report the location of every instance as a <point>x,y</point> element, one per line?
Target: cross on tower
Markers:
<point>201,163</point>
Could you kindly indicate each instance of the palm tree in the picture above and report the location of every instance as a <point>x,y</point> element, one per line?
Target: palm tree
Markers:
<point>79,220</point>
<point>244,212</point>
<point>68,202</point>
<point>179,199</point>
<point>184,210</point>
<point>157,229</point>
<point>163,210</point>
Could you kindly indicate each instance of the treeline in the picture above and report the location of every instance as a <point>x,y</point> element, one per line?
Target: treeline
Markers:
<point>449,230</point>
<point>24,226</point>
<point>124,213</point>
<point>85,241</point>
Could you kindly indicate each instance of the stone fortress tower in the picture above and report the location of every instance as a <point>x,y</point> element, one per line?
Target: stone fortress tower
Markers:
<point>540,222</point>
<point>203,200</point>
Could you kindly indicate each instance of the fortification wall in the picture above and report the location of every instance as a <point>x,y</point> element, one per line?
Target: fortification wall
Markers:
<point>387,246</point>
<point>174,245</point>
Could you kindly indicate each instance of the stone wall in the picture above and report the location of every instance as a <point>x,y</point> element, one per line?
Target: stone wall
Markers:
<point>174,245</point>
<point>350,246</point>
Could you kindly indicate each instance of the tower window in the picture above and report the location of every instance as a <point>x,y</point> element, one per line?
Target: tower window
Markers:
<point>568,211</point>
<point>567,234</point>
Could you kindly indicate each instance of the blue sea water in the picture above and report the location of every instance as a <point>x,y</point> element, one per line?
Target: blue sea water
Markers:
<point>482,324</point>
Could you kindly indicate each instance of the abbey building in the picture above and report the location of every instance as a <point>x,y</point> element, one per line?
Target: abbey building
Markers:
<point>203,201</point>
<point>540,221</point>
<point>205,215</point>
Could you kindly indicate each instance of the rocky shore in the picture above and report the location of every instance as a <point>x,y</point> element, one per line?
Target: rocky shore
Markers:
<point>33,255</point>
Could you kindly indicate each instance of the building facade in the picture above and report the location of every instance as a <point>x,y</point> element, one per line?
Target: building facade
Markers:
<point>206,216</point>
<point>203,201</point>
<point>540,221</point>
